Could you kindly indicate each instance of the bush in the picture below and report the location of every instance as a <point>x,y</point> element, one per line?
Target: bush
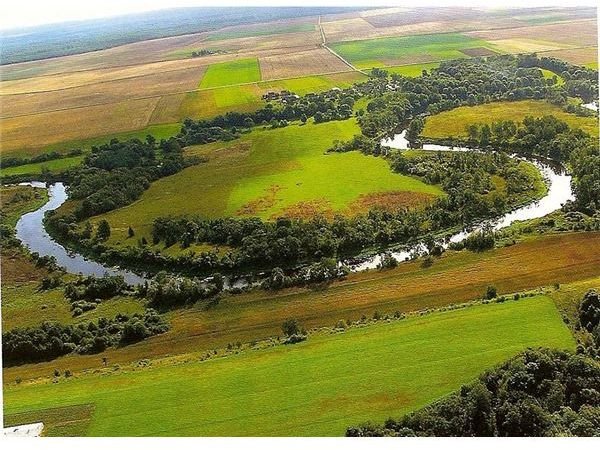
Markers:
<point>491,292</point>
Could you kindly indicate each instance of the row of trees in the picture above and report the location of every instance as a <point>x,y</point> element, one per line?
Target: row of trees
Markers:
<point>538,393</point>
<point>51,340</point>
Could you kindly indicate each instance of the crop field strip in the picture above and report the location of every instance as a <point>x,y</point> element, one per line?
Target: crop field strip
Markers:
<point>285,390</point>
<point>455,278</point>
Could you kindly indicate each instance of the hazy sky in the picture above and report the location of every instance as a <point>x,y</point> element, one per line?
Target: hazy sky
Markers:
<point>36,12</point>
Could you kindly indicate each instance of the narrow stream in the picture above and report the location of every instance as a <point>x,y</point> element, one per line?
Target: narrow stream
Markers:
<point>31,232</point>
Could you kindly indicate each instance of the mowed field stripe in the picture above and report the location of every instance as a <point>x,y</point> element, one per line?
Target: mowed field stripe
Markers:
<point>318,387</point>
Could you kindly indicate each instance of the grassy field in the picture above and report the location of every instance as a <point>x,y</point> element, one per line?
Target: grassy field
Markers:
<point>316,388</point>
<point>231,72</point>
<point>54,166</point>
<point>548,74</point>
<point>455,122</point>
<point>267,173</point>
<point>454,278</point>
<point>407,49</point>
<point>412,70</point>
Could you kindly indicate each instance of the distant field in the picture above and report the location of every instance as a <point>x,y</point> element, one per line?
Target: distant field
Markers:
<point>455,122</point>
<point>162,131</point>
<point>587,56</point>
<point>30,134</point>
<point>248,97</point>
<point>272,172</point>
<point>407,49</point>
<point>412,70</point>
<point>316,388</point>
<point>232,72</point>
<point>300,63</point>
<point>260,30</point>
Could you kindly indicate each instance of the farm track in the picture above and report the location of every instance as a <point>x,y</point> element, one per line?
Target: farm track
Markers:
<point>330,50</point>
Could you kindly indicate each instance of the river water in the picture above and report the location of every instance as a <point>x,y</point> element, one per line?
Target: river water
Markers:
<point>31,232</point>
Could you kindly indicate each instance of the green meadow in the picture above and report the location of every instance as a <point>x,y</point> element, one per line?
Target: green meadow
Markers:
<point>548,74</point>
<point>263,173</point>
<point>54,166</point>
<point>406,49</point>
<point>454,122</point>
<point>237,71</point>
<point>315,388</point>
<point>412,70</point>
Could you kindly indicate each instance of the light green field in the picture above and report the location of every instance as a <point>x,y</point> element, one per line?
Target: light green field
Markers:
<point>54,166</point>
<point>406,49</point>
<point>275,169</point>
<point>412,70</point>
<point>592,65</point>
<point>315,388</point>
<point>548,74</point>
<point>454,122</point>
<point>261,30</point>
<point>237,71</point>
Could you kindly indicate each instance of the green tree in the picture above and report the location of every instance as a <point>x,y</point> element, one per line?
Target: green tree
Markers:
<point>103,232</point>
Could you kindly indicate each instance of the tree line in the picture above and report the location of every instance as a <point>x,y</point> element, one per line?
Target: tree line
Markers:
<point>51,340</point>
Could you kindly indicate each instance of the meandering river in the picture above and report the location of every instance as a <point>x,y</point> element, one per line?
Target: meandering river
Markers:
<point>31,232</point>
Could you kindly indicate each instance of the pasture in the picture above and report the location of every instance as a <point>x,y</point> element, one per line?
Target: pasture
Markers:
<point>412,70</point>
<point>238,71</point>
<point>315,388</point>
<point>454,122</point>
<point>271,172</point>
<point>402,50</point>
<point>454,278</point>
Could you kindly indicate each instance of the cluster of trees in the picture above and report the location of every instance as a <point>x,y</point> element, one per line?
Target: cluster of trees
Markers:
<point>167,291</point>
<point>11,161</point>
<point>51,340</point>
<point>579,81</point>
<point>541,136</point>
<point>293,332</point>
<point>322,272</point>
<point>86,293</point>
<point>585,166</point>
<point>325,106</point>
<point>117,173</point>
<point>589,321</point>
<point>203,52</point>
<point>538,393</point>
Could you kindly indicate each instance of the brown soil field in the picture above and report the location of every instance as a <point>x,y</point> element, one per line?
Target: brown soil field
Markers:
<point>167,109</point>
<point>453,278</point>
<point>413,16</point>
<point>577,33</point>
<point>36,130</point>
<point>100,93</point>
<point>389,201</point>
<point>575,55</point>
<point>297,64</point>
<point>478,51</point>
